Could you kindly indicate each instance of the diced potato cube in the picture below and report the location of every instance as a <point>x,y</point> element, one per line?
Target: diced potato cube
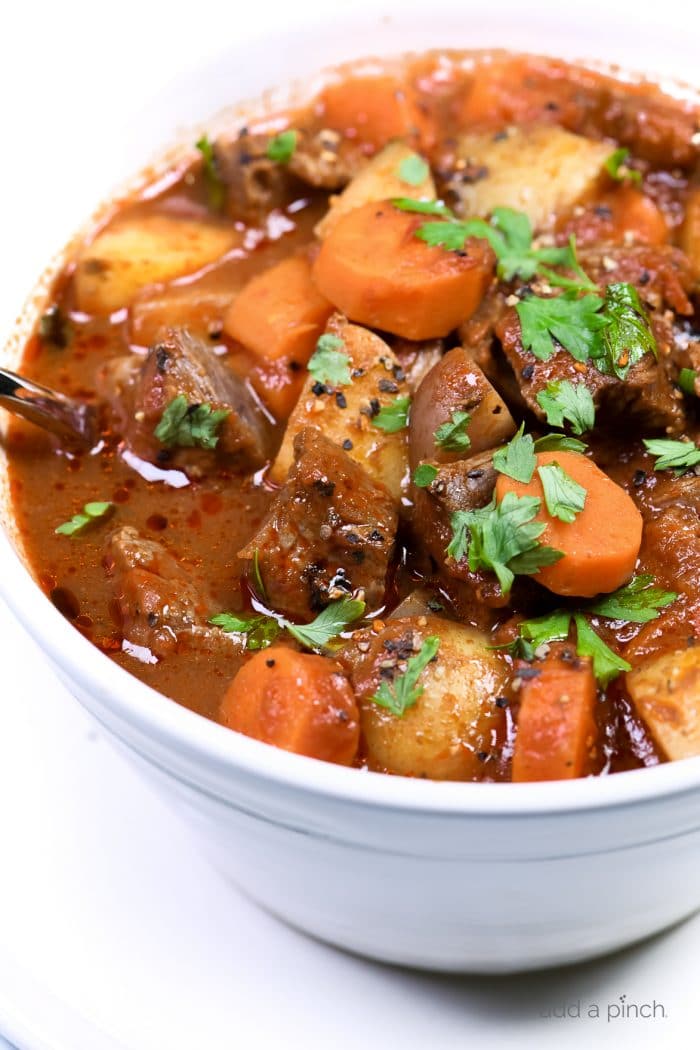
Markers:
<point>345,413</point>
<point>448,733</point>
<point>666,694</point>
<point>140,250</point>
<point>379,180</point>
<point>541,170</point>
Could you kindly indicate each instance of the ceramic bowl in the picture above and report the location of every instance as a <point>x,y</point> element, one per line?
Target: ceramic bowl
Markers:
<point>447,876</point>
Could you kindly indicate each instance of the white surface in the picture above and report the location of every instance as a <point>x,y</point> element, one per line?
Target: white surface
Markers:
<point>105,908</point>
<point>108,915</point>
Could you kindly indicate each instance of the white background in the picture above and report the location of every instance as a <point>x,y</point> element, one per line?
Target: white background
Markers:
<point>107,915</point>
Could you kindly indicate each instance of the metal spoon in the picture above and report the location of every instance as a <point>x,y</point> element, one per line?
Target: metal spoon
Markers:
<point>55,412</point>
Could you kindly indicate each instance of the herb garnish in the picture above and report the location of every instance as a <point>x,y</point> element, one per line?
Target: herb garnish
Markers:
<point>422,207</point>
<point>328,363</point>
<point>574,323</point>
<point>562,400</point>
<point>686,380</point>
<point>452,436</point>
<point>563,497</point>
<point>190,426</point>
<point>281,147</point>
<point>413,170</point>
<point>90,513</point>
<point>627,335</point>
<point>673,455</point>
<point>502,538</point>
<point>394,416</point>
<point>617,167</point>
<point>517,458</point>
<point>261,630</point>
<point>216,190</point>
<point>559,443</point>
<point>405,691</point>
<point>636,602</point>
<point>424,475</point>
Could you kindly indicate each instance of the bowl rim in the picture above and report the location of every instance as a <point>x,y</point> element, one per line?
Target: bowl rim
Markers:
<point>204,744</point>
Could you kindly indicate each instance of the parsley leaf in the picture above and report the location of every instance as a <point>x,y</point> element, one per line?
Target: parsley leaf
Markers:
<point>413,170</point>
<point>328,363</point>
<point>424,475</point>
<point>90,513</point>
<point>257,575</point>
<point>563,497</point>
<point>673,455</point>
<point>281,147</point>
<point>502,537</point>
<point>562,400</point>
<point>517,458</point>
<point>617,167</point>
<point>606,664</point>
<point>452,436</point>
<point>575,324</point>
<point>259,630</point>
<point>187,426</point>
<point>552,627</point>
<point>559,443</point>
<point>328,624</point>
<point>216,189</point>
<point>393,417</point>
<point>627,335</point>
<point>686,380</point>
<point>405,691</point>
<point>422,207</point>
<point>636,602</point>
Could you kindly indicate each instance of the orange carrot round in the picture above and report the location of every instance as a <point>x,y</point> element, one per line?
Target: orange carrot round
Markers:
<point>377,272</point>
<point>601,545</point>
<point>556,726</point>
<point>297,701</point>
<point>374,109</point>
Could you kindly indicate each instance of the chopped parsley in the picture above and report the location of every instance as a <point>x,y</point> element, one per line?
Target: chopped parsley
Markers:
<point>257,575</point>
<point>90,513</point>
<point>617,167</point>
<point>280,148</point>
<point>189,426</point>
<point>563,497</point>
<point>328,624</point>
<point>636,602</point>
<point>422,207</point>
<point>673,455</point>
<point>502,538</point>
<point>216,190</point>
<point>553,627</point>
<point>405,690</point>
<point>574,323</point>
<point>517,458</point>
<point>259,631</point>
<point>562,400</point>
<point>413,170</point>
<point>559,443</point>
<point>452,436</point>
<point>328,363</point>
<point>627,335</point>
<point>424,475</point>
<point>393,417</point>
<point>606,663</point>
<point>687,378</point>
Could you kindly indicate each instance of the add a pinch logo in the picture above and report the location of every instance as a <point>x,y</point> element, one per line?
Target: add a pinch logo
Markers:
<point>620,1009</point>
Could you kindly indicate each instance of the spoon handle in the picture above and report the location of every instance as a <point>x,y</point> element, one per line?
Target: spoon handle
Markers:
<point>55,412</point>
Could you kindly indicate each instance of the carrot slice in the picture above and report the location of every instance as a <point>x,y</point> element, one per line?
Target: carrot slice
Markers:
<point>601,545</point>
<point>374,109</point>
<point>297,701</point>
<point>377,272</point>
<point>556,725</point>
<point>280,313</point>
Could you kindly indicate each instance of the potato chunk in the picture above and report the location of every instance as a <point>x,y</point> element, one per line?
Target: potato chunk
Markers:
<point>379,180</point>
<point>345,413</point>
<point>140,250</point>
<point>541,170</point>
<point>666,694</point>
<point>448,733</point>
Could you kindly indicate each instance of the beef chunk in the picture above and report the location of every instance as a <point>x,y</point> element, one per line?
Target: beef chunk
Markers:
<point>661,274</point>
<point>160,606</point>
<point>184,366</point>
<point>329,533</point>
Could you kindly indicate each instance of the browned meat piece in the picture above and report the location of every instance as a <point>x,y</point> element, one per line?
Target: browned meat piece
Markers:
<point>646,394</point>
<point>185,367</point>
<point>160,606</point>
<point>323,158</point>
<point>661,274</point>
<point>456,384</point>
<point>329,533</point>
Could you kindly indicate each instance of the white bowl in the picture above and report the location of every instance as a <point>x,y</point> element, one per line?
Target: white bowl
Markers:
<point>465,877</point>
